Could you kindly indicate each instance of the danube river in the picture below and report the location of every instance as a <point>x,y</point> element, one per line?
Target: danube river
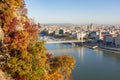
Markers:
<point>90,64</point>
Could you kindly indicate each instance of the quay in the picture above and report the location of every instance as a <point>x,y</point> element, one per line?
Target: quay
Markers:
<point>111,49</point>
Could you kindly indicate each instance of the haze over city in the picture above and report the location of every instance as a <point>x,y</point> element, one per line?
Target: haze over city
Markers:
<point>74,11</point>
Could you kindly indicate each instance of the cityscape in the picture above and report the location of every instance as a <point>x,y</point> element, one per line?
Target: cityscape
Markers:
<point>108,35</point>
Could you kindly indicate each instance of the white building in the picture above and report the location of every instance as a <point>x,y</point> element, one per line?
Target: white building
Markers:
<point>80,35</point>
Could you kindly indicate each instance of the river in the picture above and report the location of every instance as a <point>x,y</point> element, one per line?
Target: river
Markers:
<point>90,64</point>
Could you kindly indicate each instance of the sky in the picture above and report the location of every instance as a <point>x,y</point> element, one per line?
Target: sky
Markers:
<point>74,11</point>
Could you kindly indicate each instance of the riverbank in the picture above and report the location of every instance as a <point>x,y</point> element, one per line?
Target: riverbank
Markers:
<point>96,46</point>
<point>115,50</point>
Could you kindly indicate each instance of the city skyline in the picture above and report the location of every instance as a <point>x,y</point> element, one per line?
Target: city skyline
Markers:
<point>74,11</point>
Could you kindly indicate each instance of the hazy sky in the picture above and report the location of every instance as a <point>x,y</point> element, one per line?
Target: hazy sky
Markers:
<point>74,11</point>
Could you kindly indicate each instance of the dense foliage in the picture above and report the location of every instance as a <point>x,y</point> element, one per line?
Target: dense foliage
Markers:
<point>63,64</point>
<point>28,59</point>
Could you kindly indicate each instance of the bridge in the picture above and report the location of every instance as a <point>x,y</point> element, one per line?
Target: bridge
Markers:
<point>66,41</point>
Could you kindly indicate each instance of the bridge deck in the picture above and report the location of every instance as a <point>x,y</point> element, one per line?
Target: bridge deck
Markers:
<point>73,41</point>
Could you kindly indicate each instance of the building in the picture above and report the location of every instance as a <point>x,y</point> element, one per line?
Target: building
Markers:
<point>57,32</point>
<point>50,31</point>
<point>61,31</point>
<point>109,39</point>
<point>91,27</point>
<point>102,34</point>
<point>94,35</point>
<point>117,41</point>
<point>80,35</point>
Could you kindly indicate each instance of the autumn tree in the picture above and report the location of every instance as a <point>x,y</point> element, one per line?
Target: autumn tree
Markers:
<point>64,64</point>
<point>27,56</point>
<point>28,60</point>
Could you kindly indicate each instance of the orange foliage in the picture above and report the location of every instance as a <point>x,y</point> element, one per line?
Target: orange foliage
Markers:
<point>54,76</point>
<point>20,41</point>
<point>7,39</point>
<point>20,78</point>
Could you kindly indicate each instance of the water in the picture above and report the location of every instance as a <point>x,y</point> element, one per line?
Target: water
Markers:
<point>90,64</point>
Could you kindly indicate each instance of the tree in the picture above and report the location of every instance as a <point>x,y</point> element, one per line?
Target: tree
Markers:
<point>27,56</point>
<point>54,76</point>
<point>28,60</point>
<point>64,64</point>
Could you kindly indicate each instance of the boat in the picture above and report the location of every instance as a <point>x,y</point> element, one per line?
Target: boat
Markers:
<point>94,47</point>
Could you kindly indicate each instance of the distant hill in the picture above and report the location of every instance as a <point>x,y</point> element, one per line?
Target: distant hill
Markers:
<point>58,24</point>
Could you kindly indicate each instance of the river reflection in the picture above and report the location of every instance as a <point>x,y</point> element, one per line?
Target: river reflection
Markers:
<point>90,64</point>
